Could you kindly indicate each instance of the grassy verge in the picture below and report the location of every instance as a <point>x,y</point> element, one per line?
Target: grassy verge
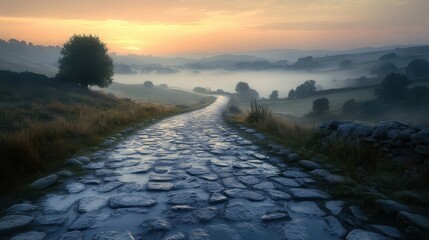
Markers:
<point>363,162</point>
<point>43,122</point>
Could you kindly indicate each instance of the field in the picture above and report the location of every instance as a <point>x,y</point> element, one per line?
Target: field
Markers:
<point>156,94</point>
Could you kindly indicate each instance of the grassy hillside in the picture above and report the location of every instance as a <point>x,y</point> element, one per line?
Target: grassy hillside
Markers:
<point>157,94</point>
<point>44,121</point>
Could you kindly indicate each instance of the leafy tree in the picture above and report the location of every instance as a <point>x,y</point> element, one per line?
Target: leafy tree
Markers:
<point>85,61</point>
<point>386,69</point>
<point>306,89</point>
<point>346,64</point>
<point>418,95</point>
<point>320,106</point>
<point>291,94</point>
<point>242,88</point>
<point>200,89</point>
<point>274,95</point>
<point>417,68</point>
<point>148,84</point>
<point>393,88</point>
<point>350,108</point>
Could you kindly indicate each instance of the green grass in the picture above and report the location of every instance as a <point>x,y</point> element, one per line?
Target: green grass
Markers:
<point>156,94</point>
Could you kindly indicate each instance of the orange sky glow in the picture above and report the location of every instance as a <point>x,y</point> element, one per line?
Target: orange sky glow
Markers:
<point>174,27</point>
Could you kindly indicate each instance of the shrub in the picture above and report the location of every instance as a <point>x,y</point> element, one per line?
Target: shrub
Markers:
<point>234,109</point>
<point>320,106</point>
<point>148,84</point>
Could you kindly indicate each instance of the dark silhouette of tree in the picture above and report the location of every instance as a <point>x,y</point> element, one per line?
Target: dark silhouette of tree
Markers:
<point>200,89</point>
<point>274,95</point>
<point>320,106</point>
<point>417,68</point>
<point>242,88</point>
<point>148,84</point>
<point>346,64</point>
<point>385,70</point>
<point>291,94</point>
<point>418,95</point>
<point>393,88</point>
<point>306,89</point>
<point>85,61</point>
<point>306,62</point>
<point>350,108</point>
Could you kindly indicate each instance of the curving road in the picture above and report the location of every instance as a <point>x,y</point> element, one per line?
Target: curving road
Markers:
<point>188,177</point>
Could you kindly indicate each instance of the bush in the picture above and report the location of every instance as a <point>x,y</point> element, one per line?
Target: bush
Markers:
<point>274,95</point>
<point>320,106</point>
<point>350,108</point>
<point>148,84</point>
<point>393,88</point>
<point>85,61</point>
<point>234,109</point>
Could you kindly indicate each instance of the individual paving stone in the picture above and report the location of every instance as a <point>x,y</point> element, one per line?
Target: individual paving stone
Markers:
<point>75,187</point>
<point>199,234</point>
<point>255,161</point>
<point>294,173</point>
<point>206,214</point>
<point>131,187</point>
<point>292,157</point>
<point>238,211</point>
<point>232,182</point>
<point>306,207</point>
<point>176,236</point>
<point>288,182</point>
<point>414,220</point>
<point>134,210</point>
<point>357,213</point>
<point>84,159</point>
<point>335,207</point>
<point>21,208</point>
<point>212,187</point>
<point>275,216</point>
<point>216,198</point>
<point>113,235</point>
<point>198,171</point>
<point>88,220</point>
<point>389,231</point>
<point>224,232</point>
<point>295,230</point>
<point>241,165</point>
<point>45,182</point>
<point>64,173</point>
<point>336,226</point>
<point>73,235</point>
<point>30,236</point>
<point>155,225</point>
<point>359,234</point>
<point>210,177</point>
<point>264,185</point>
<point>159,186</point>
<point>246,194</point>
<point>182,208</point>
<point>14,222</point>
<point>278,195</point>
<point>161,177</point>
<point>95,165</point>
<point>391,207</point>
<point>127,201</point>
<point>90,180</point>
<point>259,156</point>
<point>90,204</point>
<point>51,220</point>
<point>250,180</point>
<point>141,169</point>
<point>109,187</point>
<point>105,173</point>
<point>307,193</point>
<point>184,198</point>
<point>309,164</point>
<point>320,172</point>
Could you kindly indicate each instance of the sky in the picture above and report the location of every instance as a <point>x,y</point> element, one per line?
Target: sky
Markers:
<point>180,27</point>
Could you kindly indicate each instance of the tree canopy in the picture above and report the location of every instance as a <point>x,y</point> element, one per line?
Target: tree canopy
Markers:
<point>274,95</point>
<point>393,88</point>
<point>306,89</point>
<point>417,68</point>
<point>320,106</point>
<point>84,60</point>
